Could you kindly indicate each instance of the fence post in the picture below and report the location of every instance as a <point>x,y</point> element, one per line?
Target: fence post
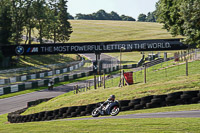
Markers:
<point>145,74</point>
<point>77,89</point>
<point>89,85</point>
<point>186,67</point>
<point>123,78</point>
<point>95,82</point>
<point>104,80</point>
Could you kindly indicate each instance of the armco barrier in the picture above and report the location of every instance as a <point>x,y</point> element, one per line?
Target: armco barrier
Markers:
<point>153,101</point>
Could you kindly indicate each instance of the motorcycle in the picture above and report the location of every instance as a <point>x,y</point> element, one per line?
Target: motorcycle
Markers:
<point>110,109</point>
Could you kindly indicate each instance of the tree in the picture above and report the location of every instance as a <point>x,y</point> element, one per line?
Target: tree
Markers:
<point>151,17</point>
<point>127,18</point>
<point>40,17</point>
<point>29,21</point>
<point>5,22</point>
<point>65,28</point>
<point>180,17</point>
<point>142,17</point>
<point>18,19</point>
<point>115,16</point>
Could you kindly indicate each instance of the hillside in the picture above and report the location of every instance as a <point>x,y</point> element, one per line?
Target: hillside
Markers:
<point>102,30</point>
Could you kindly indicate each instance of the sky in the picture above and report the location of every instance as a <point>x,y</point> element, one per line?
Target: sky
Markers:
<point>127,7</point>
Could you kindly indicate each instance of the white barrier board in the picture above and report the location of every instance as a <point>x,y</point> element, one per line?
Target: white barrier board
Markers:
<point>2,81</point>
<point>14,88</point>
<point>65,70</point>
<point>1,91</point>
<point>13,80</point>
<point>23,78</point>
<point>50,73</point>
<point>71,68</point>
<point>41,75</point>
<point>57,71</point>
<point>33,76</point>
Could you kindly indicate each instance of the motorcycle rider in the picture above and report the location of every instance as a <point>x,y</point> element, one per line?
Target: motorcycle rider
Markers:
<point>109,103</point>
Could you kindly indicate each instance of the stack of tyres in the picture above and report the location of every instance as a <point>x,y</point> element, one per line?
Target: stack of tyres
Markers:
<point>124,104</point>
<point>133,103</point>
<point>187,96</point>
<point>157,101</point>
<point>144,102</point>
<point>173,98</point>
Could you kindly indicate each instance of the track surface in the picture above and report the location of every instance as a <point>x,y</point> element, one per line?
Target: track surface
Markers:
<point>178,114</point>
<point>11,104</point>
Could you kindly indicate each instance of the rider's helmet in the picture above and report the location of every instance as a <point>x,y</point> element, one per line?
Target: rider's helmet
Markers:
<point>112,97</point>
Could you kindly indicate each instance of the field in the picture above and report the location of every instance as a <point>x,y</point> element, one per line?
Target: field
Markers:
<point>98,30</point>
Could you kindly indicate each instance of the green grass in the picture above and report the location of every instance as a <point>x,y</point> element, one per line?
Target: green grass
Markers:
<point>153,125</point>
<point>98,30</point>
<point>157,84</point>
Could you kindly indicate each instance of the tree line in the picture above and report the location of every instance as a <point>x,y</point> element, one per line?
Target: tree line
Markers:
<point>181,17</point>
<point>18,17</point>
<point>102,15</point>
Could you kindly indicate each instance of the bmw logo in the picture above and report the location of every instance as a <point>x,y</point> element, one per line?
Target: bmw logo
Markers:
<point>19,50</point>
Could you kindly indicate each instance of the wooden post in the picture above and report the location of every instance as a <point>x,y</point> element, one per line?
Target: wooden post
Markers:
<point>100,80</point>
<point>77,89</point>
<point>123,78</point>
<point>89,85</point>
<point>95,82</point>
<point>186,67</point>
<point>104,81</point>
<point>145,74</point>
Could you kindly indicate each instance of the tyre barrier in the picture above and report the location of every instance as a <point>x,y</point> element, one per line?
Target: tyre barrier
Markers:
<point>153,101</point>
<point>36,102</point>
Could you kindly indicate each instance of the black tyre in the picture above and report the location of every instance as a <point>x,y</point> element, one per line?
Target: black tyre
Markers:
<point>83,113</point>
<point>175,95</point>
<point>171,99</point>
<point>147,98</point>
<point>186,96</point>
<point>191,93</point>
<point>135,101</point>
<point>138,106</point>
<point>156,100</point>
<point>124,102</point>
<point>195,100</point>
<point>72,109</point>
<point>63,110</point>
<point>160,97</point>
<point>125,108</point>
<point>114,111</point>
<point>73,114</point>
<point>95,112</point>
<point>151,105</point>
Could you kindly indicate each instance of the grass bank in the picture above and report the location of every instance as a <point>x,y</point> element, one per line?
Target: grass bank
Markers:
<point>101,30</point>
<point>153,125</point>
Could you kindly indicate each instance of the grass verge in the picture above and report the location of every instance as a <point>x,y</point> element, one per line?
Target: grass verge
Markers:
<point>152,125</point>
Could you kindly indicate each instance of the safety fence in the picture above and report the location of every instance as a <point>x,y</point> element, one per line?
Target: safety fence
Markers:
<point>152,101</point>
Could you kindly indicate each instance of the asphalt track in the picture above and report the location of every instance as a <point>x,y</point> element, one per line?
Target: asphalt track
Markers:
<point>11,104</point>
<point>178,114</point>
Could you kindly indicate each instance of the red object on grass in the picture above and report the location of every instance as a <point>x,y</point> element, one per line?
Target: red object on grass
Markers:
<point>129,77</point>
